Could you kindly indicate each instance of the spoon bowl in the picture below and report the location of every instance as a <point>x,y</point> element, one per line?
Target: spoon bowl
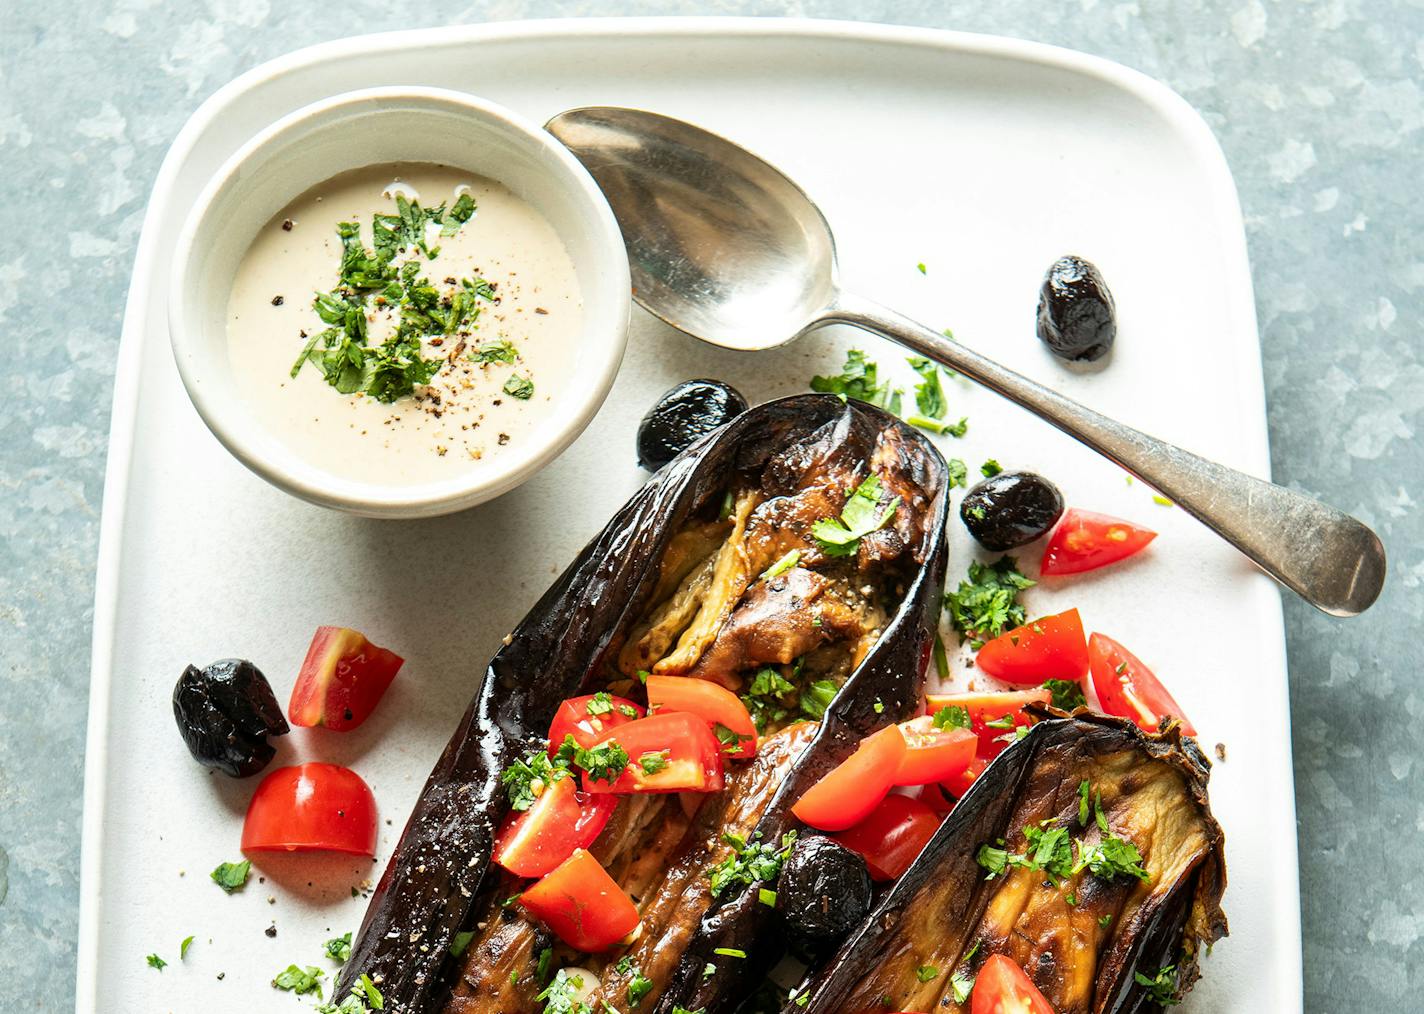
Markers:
<point>726,248</point>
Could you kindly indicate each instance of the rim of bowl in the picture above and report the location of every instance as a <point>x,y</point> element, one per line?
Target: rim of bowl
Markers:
<point>606,321</point>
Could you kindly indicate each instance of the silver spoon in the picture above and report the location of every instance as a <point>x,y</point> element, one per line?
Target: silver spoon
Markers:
<point>727,249</point>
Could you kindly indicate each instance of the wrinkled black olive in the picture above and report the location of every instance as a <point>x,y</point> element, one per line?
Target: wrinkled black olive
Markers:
<point>1076,311</point>
<point>1011,509</point>
<point>225,712</point>
<point>824,889</point>
<point>689,411</point>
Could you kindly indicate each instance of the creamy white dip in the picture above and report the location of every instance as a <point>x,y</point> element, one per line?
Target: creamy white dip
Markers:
<point>465,416</point>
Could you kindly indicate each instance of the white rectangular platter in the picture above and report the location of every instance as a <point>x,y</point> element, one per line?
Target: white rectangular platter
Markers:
<point>983,159</point>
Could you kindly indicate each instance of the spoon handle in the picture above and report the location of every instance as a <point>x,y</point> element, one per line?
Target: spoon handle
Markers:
<point>1333,561</point>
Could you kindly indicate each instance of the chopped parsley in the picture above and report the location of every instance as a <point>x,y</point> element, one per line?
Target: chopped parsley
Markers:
<point>1105,920</point>
<point>461,943</point>
<point>299,980</point>
<point>766,896</point>
<point>338,949</point>
<point>232,876</point>
<point>364,998</point>
<point>603,763</point>
<point>500,351</point>
<point>958,473</point>
<point>929,392</point>
<point>861,515</point>
<point>765,697</point>
<point>859,379</point>
<point>750,862</point>
<point>524,780</point>
<point>1162,987</point>
<point>561,995</point>
<point>600,703</point>
<point>154,961</point>
<point>951,716</point>
<point>941,657</point>
<point>990,468</point>
<point>730,739</point>
<point>519,387</point>
<point>921,268</point>
<point>653,761</point>
<point>1109,858</point>
<point>183,947</point>
<point>962,985</point>
<point>986,604</point>
<point>639,985</point>
<point>817,697</point>
<point>782,565</point>
<point>926,973</point>
<point>1067,694</point>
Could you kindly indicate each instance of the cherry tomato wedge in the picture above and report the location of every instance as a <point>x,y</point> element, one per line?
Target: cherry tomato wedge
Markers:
<point>1085,540</point>
<point>311,807</point>
<point>672,752</point>
<point>582,905</point>
<point>1002,988</point>
<point>933,796</point>
<point>892,836</point>
<point>714,704</point>
<point>1126,688</point>
<point>984,708</point>
<point>959,784</point>
<point>932,755</point>
<point>1051,648</point>
<point>590,718</point>
<point>848,792</point>
<point>532,842</point>
<point>342,680</point>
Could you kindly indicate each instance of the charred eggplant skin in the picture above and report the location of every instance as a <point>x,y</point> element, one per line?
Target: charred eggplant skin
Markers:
<point>948,863</point>
<point>433,880</point>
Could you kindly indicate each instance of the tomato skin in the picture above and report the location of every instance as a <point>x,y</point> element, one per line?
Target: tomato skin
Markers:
<point>892,836</point>
<point>959,785</point>
<point>342,679</point>
<point>581,904</point>
<point>530,843</point>
<point>989,707</point>
<point>1133,693</point>
<point>1002,988</point>
<point>694,756</point>
<point>573,719</point>
<point>1051,648</point>
<point>850,791</point>
<point>1086,540</point>
<point>311,807</point>
<point>932,755</point>
<point>711,702</point>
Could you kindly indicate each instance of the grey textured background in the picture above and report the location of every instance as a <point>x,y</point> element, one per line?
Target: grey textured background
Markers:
<point>1318,106</point>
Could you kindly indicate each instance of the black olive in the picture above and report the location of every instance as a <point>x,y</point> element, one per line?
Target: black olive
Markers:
<point>1011,509</point>
<point>824,889</point>
<point>1076,311</point>
<point>225,712</point>
<point>689,411</point>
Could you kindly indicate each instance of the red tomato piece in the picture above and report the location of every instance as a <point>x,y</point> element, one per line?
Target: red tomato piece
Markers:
<point>933,796</point>
<point>672,752</point>
<point>1126,688</point>
<point>848,792</point>
<point>1085,540</point>
<point>532,842</point>
<point>1002,988</point>
<point>1051,648</point>
<point>959,785</point>
<point>989,707</point>
<point>311,807</point>
<point>892,836</point>
<point>590,718</point>
<point>932,755</point>
<point>582,905</point>
<point>342,680</point>
<point>714,704</point>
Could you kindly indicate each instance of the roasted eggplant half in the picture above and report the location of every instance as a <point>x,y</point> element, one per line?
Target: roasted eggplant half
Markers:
<point>711,572</point>
<point>1086,853</point>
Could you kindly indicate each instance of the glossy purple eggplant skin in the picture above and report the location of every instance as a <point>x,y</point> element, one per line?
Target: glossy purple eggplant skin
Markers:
<point>430,886</point>
<point>944,892</point>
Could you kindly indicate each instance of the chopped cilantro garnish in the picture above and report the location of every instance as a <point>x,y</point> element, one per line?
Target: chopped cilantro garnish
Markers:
<point>958,473</point>
<point>859,379</point>
<point>339,948</point>
<point>750,862</point>
<point>952,716</point>
<point>561,995</point>
<point>765,697</point>
<point>603,763</point>
<point>1109,858</point>
<point>500,351</point>
<point>929,393</point>
<point>299,980</point>
<point>1067,694</point>
<point>459,213</point>
<point>766,896</point>
<point>653,761</point>
<point>729,952</point>
<point>363,999</point>
<point>639,986</point>
<point>817,697</point>
<point>986,604</point>
<point>600,703</point>
<point>525,779</point>
<point>519,387</point>
<point>861,515</point>
<point>1162,987</point>
<point>991,468</point>
<point>461,943</point>
<point>782,565</point>
<point>232,876</point>
<point>926,973</point>
<point>183,947</point>
<point>154,961</point>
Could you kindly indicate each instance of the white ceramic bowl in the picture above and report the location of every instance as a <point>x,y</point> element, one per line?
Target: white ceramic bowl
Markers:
<point>372,127</point>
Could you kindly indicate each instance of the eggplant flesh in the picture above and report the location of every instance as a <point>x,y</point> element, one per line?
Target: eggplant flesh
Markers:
<point>786,464</point>
<point>1081,937</point>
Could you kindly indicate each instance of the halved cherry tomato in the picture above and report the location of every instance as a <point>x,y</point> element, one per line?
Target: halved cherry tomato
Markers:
<point>1051,648</point>
<point>532,842</point>
<point>582,905</point>
<point>1002,988</point>
<point>984,708</point>
<point>1085,540</point>
<point>672,752</point>
<point>849,791</point>
<point>933,796</point>
<point>932,755</point>
<point>892,836</point>
<point>342,680</point>
<point>311,807</point>
<point>590,718</point>
<point>714,704</point>
<point>1126,688</point>
<point>959,785</point>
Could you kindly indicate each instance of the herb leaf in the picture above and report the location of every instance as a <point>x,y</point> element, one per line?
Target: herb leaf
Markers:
<point>859,379</point>
<point>339,948</point>
<point>154,961</point>
<point>299,980</point>
<point>1162,987</point>
<point>986,604</point>
<point>1067,694</point>
<point>232,876</point>
<point>519,387</point>
<point>861,515</point>
<point>526,778</point>
<point>750,862</point>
